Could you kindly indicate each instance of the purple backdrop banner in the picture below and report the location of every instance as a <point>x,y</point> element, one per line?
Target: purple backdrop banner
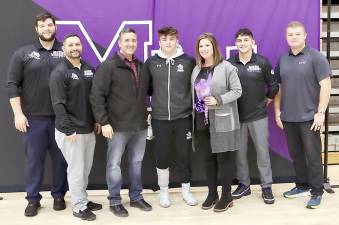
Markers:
<point>99,22</point>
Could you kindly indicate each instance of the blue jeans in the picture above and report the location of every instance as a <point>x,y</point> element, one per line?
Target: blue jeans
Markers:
<point>134,142</point>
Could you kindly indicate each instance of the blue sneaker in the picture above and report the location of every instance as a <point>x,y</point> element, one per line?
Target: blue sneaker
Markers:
<point>296,192</point>
<point>242,190</point>
<point>314,202</point>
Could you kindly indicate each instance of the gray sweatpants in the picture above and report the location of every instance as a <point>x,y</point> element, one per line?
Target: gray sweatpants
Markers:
<point>258,130</point>
<point>79,157</point>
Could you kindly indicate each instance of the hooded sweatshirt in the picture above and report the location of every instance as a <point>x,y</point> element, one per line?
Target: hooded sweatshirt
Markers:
<point>170,84</point>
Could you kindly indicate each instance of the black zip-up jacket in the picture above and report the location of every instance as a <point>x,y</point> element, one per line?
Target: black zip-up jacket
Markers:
<point>115,97</point>
<point>170,86</point>
<point>70,89</point>
<point>258,83</point>
<point>28,77</point>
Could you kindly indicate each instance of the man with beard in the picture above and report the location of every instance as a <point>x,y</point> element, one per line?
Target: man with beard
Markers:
<point>28,77</point>
<point>70,86</point>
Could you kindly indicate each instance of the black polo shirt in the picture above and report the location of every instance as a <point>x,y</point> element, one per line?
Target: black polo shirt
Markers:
<point>258,83</point>
<point>70,89</point>
<point>28,77</point>
<point>299,76</point>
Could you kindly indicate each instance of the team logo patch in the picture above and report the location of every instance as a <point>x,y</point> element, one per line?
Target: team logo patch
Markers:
<point>180,68</point>
<point>57,54</point>
<point>88,73</point>
<point>158,65</point>
<point>188,135</point>
<point>74,76</point>
<point>272,72</point>
<point>302,62</point>
<point>254,68</point>
<point>34,55</point>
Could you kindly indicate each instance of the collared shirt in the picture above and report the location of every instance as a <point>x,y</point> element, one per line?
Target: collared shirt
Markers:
<point>28,77</point>
<point>132,65</point>
<point>258,83</point>
<point>70,89</point>
<point>299,76</point>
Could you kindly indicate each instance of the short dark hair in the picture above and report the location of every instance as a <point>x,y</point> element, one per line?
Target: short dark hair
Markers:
<point>244,32</point>
<point>126,30</point>
<point>44,16</point>
<point>70,35</point>
<point>168,31</point>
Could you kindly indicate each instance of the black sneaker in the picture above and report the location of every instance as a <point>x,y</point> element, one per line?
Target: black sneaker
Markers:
<point>242,190</point>
<point>119,210</point>
<point>85,215</point>
<point>32,209</point>
<point>141,204</point>
<point>267,195</point>
<point>59,204</point>
<point>94,206</point>
<point>210,201</point>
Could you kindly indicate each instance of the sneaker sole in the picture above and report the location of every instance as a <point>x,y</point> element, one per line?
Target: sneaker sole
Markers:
<point>241,195</point>
<point>165,206</point>
<point>269,201</point>
<point>87,219</point>
<point>303,194</point>
<point>196,203</point>
<point>224,209</point>
<point>313,207</point>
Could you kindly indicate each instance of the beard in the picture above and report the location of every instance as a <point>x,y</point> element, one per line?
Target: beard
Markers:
<point>72,56</point>
<point>43,38</point>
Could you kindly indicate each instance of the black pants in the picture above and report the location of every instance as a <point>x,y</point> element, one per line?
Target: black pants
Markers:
<point>174,135</point>
<point>305,149</point>
<point>222,163</point>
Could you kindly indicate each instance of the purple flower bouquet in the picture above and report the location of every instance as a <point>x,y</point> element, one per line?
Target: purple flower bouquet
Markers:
<point>203,89</point>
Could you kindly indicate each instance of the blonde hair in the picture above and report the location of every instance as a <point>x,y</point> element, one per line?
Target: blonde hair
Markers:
<point>295,24</point>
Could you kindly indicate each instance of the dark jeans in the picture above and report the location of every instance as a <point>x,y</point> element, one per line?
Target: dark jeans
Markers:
<point>170,136</point>
<point>38,140</point>
<point>222,163</point>
<point>305,149</point>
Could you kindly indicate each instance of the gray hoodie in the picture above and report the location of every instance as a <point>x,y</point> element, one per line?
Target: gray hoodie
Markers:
<point>170,84</point>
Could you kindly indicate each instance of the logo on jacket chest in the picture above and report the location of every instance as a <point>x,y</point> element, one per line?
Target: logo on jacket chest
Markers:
<point>302,62</point>
<point>74,76</point>
<point>34,55</point>
<point>254,68</point>
<point>180,68</point>
<point>88,73</point>
<point>57,54</point>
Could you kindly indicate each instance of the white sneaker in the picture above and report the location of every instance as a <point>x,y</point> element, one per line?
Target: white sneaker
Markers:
<point>164,198</point>
<point>187,195</point>
<point>163,180</point>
